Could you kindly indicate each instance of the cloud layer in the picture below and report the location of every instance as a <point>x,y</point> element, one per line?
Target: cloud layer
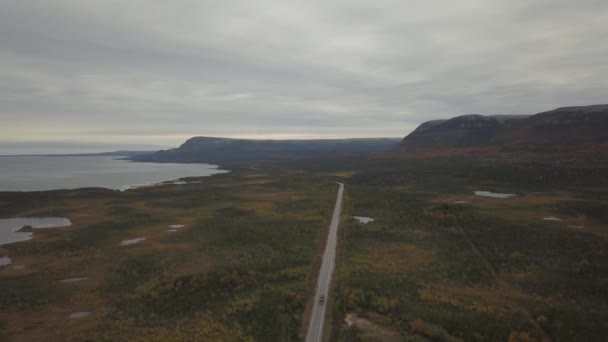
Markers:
<point>157,72</point>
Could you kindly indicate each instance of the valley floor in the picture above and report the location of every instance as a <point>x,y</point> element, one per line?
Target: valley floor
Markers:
<point>437,262</point>
<point>240,269</point>
<point>440,263</point>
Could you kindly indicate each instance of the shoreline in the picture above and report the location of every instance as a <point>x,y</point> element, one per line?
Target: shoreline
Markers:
<point>50,174</point>
<point>130,187</point>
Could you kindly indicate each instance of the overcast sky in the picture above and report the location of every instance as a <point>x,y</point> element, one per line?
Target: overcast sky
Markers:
<point>136,73</point>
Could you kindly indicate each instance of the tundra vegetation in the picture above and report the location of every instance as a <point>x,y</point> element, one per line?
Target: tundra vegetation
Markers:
<point>438,263</point>
<point>239,270</point>
<point>441,264</point>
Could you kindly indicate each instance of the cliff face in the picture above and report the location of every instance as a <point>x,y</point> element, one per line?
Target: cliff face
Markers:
<point>569,129</point>
<point>463,131</point>
<point>563,128</point>
<point>209,149</point>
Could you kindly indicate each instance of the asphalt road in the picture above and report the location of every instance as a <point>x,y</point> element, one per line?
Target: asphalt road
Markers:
<point>315,327</point>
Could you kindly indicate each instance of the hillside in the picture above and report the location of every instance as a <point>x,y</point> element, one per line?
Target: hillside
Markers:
<point>562,129</point>
<point>463,131</point>
<point>209,149</point>
<point>567,128</point>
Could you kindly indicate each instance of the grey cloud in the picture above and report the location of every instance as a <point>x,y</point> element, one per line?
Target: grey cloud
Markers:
<point>155,72</point>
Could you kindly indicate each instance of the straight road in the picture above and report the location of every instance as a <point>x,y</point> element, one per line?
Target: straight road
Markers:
<point>315,328</point>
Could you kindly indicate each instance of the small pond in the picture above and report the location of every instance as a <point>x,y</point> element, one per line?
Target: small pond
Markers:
<point>72,280</point>
<point>552,218</point>
<point>80,314</point>
<point>5,261</point>
<point>9,228</point>
<point>131,241</point>
<point>363,219</point>
<point>493,194</point>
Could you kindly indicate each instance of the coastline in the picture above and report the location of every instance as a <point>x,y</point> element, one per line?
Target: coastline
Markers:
<point>60,173</point>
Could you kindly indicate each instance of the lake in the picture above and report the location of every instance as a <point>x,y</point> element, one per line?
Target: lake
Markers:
<point>34,173</point>
<point>9,228</point>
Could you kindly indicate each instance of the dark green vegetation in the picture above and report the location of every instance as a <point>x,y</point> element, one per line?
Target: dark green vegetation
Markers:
<point>240,270</point>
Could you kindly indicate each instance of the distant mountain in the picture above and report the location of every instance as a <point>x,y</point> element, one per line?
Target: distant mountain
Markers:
<point>97,154</point>
<point>463,131</point>
<point>563,128</point>
<point>568,128</point>
<point>209,149</point>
